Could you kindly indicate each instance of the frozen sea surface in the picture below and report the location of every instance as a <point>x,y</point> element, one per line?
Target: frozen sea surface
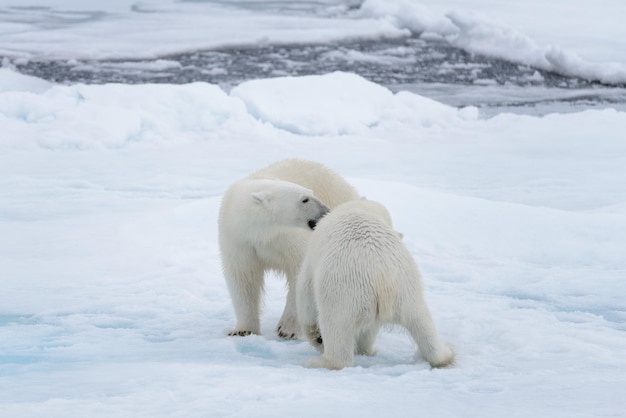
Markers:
<point>464,55</point>
<point>431,67</point>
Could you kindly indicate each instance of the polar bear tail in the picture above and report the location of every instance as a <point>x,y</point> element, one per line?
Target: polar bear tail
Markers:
<point>385,299</point>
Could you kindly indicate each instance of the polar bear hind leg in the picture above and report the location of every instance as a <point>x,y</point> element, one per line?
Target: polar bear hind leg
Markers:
<point>338,347</point>
<point>365,340</point>
<point>424,333</point>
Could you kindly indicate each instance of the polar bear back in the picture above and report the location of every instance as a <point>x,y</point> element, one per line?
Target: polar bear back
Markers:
<point>327,185</point>
<point>356,276</point>
<point>356,247</point>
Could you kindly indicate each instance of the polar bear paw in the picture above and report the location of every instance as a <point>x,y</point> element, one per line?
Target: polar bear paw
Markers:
<point>443,357</point>
<point>321,362</point>
<point>288,329</point>
<point>314,336</point>
<point>239,333</point>
<point>315,362</point>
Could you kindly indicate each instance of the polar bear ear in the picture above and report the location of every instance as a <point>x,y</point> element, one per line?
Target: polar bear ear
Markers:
<point>261,197</point>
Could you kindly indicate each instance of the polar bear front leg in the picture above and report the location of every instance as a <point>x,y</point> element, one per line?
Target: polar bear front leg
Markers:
<point>244,279</point>
<point>288,326</point>
<point>339,332</point>
<point>338,353</point>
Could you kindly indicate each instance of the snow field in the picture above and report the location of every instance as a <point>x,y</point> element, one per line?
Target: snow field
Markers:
<point>113,301</point>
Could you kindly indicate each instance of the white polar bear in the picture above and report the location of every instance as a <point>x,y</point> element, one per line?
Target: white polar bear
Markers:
<point>357,275</point>
<point>265,223</point>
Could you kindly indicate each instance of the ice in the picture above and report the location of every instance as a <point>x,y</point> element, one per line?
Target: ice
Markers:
<point>152,29</point>
<point>503,42</point>
<point>113,301</point>
<point>12,81</point>
<point>586,39</point>
<point>355,106</point>
<point>352,108</point>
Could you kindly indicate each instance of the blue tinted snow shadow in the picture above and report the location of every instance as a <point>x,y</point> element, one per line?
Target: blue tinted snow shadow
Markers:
<point>7,319</point>
<point>18,359</point>
<point>16,351</point>
<point>615,315</point>
<point>254,346</point>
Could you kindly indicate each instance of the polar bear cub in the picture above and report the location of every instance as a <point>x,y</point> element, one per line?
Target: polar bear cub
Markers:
<point>265,223</point>
<point>356,276</point>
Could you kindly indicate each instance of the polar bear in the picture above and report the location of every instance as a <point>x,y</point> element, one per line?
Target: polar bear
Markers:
<point>356,276</point>
<point>265,222</point>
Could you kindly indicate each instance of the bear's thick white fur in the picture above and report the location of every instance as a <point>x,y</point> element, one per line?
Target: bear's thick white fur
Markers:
<point>356,276</point>
<point>263,225</point>
<point>327,185</point>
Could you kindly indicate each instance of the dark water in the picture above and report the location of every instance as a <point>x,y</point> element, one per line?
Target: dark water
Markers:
<point>430,67</point>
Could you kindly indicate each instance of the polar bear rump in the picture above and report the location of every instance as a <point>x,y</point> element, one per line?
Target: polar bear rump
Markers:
<point>357,275</point>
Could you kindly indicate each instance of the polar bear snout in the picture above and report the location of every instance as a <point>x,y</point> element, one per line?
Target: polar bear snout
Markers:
<point>312,223</point>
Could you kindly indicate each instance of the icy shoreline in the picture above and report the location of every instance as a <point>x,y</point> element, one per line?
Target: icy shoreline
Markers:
<point>66,29</point>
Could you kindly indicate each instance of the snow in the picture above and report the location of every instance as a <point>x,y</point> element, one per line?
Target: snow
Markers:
<point>127,29</point>
<point>113,301</point>
<point>12,81</point>
<point>283,103</point>
<point>586,39</point>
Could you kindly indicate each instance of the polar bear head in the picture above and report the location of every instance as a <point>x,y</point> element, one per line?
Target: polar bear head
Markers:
<point>370,208</point>
<point>287,204</point>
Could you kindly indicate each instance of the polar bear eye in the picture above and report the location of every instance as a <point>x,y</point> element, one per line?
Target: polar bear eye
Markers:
<point>305,200</point>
